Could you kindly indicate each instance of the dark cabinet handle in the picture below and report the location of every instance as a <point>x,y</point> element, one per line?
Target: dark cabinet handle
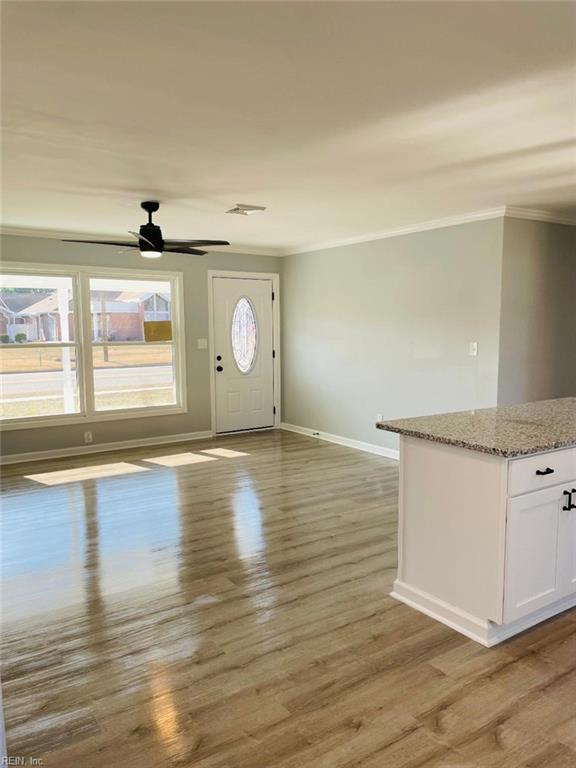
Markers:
<point>569,500</point>
<point>547,471</point>
<point>219,368</point>
<point>573,491</point>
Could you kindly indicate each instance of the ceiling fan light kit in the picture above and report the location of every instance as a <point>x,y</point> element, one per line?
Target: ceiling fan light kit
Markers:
<point>150,242</point>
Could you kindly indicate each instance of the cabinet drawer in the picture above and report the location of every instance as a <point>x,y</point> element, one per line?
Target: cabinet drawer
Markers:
<point>542,471</point>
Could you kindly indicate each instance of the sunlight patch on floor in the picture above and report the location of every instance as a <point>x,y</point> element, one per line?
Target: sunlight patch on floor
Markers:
<point>180,459</point>
<point>86,473</point>
<point>59,477</point>
<point>225,453</point>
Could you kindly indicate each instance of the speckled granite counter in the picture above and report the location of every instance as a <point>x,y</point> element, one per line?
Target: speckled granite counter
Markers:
<point>513,430</point>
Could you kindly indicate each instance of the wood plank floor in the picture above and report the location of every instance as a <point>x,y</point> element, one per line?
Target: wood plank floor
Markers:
<point>233,612</point>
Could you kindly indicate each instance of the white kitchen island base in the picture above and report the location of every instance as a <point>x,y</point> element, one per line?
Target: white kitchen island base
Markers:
<point>485,632</point>
<point>487,543</point>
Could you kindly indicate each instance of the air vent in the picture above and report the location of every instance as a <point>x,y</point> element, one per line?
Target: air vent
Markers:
<point>246,210</point>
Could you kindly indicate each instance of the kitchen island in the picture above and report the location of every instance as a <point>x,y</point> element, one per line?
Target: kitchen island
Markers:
<point>487,516</point>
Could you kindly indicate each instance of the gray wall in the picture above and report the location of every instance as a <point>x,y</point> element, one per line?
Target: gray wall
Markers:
<point>384,327</point>
<point>379,327</point>
<point>538,318</point>
<point>194,268</point>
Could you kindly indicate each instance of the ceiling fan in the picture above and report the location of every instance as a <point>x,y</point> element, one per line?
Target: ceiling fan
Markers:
<point>150,241</point>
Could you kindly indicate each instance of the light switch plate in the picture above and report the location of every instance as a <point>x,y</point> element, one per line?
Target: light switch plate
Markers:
<point>473,348</point>
<point>202,343</point>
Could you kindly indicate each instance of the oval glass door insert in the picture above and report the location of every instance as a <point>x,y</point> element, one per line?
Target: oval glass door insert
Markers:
<point>244,335</point>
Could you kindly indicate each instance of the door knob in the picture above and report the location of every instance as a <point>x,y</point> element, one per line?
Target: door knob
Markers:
<point>219,368</point>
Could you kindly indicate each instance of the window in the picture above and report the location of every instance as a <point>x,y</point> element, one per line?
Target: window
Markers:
<point>38,373</point>
<point>120,352</point>
<point>130,372</point>
<point>244,341</point>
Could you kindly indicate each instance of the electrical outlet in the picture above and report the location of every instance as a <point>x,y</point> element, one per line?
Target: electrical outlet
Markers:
<point>202,343</point>
<point>379,417</point>
<point>88,437</point>
<point>473,348</point>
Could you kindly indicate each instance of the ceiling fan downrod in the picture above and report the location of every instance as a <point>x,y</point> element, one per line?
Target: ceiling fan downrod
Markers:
<point>150,206</point>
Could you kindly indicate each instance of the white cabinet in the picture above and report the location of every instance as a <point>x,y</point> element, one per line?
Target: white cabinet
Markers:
<point>538,557</point>
<point>487,544</point>
<point>567,546</point>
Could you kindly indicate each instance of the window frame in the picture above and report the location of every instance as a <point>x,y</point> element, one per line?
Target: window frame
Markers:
<point>83,344</point>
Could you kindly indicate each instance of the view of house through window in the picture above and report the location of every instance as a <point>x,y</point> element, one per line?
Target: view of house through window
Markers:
<point>129,356</point>
<point>38,375</point>
<point>130,372</point>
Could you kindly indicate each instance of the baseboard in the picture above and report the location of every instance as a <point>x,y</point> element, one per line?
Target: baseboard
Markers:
<point>77,450</point>
<point>465,623</point>
<point>379,450</point>
<point>482,631</point>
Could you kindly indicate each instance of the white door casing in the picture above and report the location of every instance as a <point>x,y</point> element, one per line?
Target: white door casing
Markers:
<point>243,384</point>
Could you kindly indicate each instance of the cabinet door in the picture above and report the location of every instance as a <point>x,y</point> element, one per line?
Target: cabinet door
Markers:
<point>567,547</point>
<point>533,578</point>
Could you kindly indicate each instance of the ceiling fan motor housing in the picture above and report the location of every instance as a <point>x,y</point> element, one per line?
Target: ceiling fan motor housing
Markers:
<point>153,234</point>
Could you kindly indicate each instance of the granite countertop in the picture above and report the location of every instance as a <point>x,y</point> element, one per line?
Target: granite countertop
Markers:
<point>512,430</point>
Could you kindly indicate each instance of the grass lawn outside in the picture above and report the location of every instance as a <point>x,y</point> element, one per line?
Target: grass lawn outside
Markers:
<point>17,358</point>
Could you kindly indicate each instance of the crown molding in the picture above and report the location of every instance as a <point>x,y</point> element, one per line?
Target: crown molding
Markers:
<point>450,221</point>
<point>53,234</point>
<point>504,211</point>
<point>544,216</point>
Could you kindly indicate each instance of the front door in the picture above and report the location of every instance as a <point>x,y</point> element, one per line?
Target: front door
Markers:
<point>243,353</point>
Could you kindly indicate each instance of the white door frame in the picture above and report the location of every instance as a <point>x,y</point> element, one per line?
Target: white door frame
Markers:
<point>275,277</point>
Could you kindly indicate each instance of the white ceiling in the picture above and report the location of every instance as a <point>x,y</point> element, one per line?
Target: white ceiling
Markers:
<point>344,119</point>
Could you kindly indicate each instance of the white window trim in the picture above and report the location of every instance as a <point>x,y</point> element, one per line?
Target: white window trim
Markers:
<point>83,344</point>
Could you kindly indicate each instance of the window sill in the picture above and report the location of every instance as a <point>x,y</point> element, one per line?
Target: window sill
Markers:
<point>78,418</point>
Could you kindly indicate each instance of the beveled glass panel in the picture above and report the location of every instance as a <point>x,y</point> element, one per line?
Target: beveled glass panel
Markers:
<point>244,335</point>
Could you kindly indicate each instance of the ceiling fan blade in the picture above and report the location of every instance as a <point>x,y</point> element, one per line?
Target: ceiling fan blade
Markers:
<point>196,242</point>
<point>193,251</point>
<point>138,236</point>
<point>103,242</point>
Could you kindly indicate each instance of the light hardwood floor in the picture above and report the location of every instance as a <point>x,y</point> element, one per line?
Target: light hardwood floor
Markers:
<point>234,613</point>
